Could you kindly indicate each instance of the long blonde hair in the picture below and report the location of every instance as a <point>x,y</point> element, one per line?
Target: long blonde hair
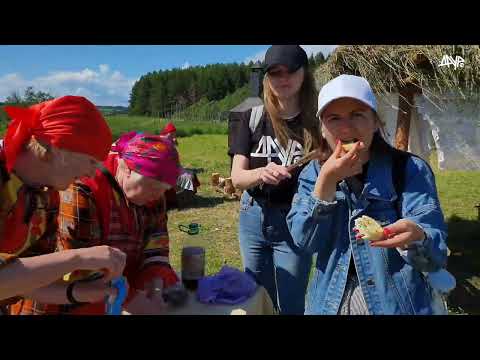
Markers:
<point>310,124</point>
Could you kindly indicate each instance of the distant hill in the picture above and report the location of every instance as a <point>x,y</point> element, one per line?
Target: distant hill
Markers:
<point>113,110</point>
<point>213,110</point>
<point>160,91</point>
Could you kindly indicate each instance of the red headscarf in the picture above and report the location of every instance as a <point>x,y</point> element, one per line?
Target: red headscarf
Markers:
<point>169,128</point>
<point>70,122</point>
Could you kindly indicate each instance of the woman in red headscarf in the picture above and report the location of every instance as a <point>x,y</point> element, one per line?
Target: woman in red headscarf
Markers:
<point>123,207</point>
<point>170,131</point>
<point>46,147</point>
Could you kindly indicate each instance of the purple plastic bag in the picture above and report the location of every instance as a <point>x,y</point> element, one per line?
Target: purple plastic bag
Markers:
<point>230,286</point>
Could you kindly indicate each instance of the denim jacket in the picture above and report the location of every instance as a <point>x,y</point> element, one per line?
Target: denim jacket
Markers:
<point>391,283</point>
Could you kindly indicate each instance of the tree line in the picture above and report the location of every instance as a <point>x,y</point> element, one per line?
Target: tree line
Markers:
<point>29,97</point>
<point>158,91</point>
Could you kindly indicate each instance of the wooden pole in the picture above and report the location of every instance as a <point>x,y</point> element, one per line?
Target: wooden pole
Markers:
<point>405,103</point>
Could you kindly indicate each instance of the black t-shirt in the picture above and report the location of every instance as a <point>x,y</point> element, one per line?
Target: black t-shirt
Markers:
<point>262,147</point>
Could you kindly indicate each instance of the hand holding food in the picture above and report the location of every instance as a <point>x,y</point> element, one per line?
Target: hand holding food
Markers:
<point>340,165</point>
<point>369,229</point>
<point>400,234</point>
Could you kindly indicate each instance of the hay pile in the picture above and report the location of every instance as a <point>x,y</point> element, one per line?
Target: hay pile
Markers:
<point>388,68</point>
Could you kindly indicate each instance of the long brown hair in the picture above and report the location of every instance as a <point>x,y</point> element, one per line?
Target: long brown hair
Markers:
<point>310,124</point>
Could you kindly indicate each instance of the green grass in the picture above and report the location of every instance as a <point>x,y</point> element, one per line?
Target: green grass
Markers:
<point>124,123</point>
<point>458,192</point>
<point>3,127</point>
<point>217,215</point>
<point>120,124</point>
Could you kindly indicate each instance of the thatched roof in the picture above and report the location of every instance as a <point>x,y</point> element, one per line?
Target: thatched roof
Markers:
<point>387,68</point>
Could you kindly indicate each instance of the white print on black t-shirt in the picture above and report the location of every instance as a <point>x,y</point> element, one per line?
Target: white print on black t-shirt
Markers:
<point>271,148</point>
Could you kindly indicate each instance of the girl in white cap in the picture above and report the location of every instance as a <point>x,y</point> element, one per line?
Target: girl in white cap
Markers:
<point>269,139</point>
<point>359,271</point>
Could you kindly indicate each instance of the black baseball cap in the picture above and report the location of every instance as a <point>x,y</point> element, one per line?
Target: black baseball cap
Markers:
<point>292,56</point>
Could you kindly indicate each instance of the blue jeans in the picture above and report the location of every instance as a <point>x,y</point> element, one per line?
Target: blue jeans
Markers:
<point>269,254</point>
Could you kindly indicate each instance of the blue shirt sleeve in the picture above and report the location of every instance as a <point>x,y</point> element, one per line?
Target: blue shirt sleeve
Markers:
<point>309,215</point>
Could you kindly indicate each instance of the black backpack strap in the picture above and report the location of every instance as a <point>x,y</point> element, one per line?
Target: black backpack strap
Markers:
<point>399,172</point>
<point>111,179</point>
<point>399,167</point>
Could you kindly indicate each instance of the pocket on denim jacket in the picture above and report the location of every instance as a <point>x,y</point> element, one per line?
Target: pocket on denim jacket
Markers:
<point>414,290</point>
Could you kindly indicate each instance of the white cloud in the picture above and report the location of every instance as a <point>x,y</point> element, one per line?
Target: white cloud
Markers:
<point>81,91</point>
<point>309,49</point>
<point>102,86</point>
<point>186,65</point>
<point>104,68</point>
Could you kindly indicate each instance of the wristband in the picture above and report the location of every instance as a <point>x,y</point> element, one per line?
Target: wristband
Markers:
<point>70,296</point>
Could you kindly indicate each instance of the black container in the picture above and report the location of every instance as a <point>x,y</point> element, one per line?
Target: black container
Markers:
<point>193,266</point>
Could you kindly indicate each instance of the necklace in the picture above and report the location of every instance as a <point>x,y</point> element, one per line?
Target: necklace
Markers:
<point>291,116</point>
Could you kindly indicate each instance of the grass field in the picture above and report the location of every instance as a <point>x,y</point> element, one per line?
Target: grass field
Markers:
<point>459,192</point>
<point>123,123</point>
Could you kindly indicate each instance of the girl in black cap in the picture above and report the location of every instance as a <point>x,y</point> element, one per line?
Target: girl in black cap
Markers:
<point>269,139</point>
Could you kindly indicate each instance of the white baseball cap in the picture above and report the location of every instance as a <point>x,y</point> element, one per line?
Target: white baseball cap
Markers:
<point>349,86</point>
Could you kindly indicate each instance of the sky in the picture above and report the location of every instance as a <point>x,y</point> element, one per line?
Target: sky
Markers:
<point>105,74</point>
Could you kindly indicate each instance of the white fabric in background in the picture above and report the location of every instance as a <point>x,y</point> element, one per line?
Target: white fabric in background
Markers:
<point>387,109</point>
<point>420,141</point>
<point>456,131</point>
<point>185,181</point>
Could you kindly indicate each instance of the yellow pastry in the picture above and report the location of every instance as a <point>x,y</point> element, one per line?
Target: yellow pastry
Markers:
<point>369,228</point>
<point>347,146</point>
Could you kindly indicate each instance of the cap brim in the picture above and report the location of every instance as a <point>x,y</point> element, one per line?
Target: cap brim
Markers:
<point>291,67</point>
<point>343,97</point>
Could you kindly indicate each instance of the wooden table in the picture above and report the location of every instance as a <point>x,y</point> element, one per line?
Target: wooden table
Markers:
<point>259,304</point>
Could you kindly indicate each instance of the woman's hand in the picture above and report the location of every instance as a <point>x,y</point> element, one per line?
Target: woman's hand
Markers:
<point>155,293</point>
<point>104,258</point>
<point>341,165</point>
<point>401,234</point>
<point>94,291</point>
<point>272,174</point>
<point>142,304</point>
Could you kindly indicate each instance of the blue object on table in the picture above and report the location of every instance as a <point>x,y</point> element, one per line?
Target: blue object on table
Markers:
<point>230,286</point>
<point>115,307</point>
